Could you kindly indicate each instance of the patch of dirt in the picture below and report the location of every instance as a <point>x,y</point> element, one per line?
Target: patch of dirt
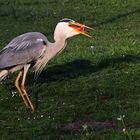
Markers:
<point>94,125</point>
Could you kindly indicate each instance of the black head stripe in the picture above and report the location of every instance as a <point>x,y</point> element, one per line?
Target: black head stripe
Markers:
<point>66,20</point>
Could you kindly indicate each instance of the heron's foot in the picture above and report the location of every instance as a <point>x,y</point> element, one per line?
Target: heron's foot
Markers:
<point>30,105</point>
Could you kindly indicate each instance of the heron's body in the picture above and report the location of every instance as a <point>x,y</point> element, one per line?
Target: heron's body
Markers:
<point>34,48</point>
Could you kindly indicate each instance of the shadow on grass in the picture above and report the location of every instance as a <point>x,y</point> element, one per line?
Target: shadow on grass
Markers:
<point>77,68</point>
<point>81,67</point>
<point>119,16</point>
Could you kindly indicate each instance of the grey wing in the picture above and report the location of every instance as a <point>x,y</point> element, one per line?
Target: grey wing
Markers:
<point>23,49</point>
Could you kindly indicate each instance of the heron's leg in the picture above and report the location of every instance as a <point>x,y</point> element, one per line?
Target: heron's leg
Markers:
<point>19,90</point>
<point>26,67</point>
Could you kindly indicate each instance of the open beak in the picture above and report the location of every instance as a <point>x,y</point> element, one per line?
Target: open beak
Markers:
<point>80,28</point>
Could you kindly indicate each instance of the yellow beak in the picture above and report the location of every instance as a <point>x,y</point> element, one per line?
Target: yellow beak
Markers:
<point>80,28</point>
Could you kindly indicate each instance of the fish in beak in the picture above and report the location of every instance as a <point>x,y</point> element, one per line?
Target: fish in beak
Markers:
<point>80,28</point>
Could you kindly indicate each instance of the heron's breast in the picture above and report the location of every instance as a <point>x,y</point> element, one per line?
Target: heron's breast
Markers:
<point>52,52</point>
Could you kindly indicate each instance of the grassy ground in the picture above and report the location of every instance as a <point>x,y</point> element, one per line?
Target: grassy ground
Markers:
<point>82,92</point>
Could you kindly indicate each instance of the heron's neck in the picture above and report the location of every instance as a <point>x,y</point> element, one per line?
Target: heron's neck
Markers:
<point>60,42</point>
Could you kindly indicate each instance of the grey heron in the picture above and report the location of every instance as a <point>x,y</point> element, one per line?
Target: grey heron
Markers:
<point>34,48</point>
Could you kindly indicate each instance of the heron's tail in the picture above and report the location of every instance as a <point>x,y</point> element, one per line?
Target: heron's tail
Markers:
<point>3,74</point>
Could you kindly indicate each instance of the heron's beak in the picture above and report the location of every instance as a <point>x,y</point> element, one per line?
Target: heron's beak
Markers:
<point>80,28</point>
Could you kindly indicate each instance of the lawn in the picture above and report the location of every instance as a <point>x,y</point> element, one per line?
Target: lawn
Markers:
<point>82,93</point>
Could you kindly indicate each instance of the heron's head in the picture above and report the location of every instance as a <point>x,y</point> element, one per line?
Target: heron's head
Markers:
<point>68,28</point>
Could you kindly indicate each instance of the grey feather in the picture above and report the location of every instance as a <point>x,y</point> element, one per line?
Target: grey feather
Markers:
<point>23,49</point>
<point>25,40</point>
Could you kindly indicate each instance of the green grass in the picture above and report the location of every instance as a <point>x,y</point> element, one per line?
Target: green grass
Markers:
<point>85,85</point>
